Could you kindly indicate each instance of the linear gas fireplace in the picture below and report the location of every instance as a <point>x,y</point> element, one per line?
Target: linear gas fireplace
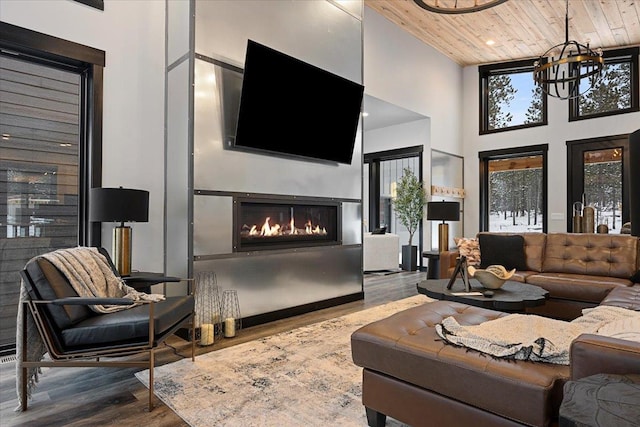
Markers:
<point>263,224</point>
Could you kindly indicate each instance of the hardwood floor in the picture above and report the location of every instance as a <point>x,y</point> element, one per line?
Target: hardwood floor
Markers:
<point>108,396</point>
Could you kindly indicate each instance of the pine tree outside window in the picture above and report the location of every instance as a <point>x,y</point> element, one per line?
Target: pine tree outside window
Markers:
<point>513,189</point>
<point>509,98</point>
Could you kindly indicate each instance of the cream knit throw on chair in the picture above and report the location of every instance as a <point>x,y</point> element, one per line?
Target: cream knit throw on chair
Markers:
<point>90,275</point>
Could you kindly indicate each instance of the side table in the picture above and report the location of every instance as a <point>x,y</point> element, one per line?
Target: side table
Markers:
<point>433,266</point>
<point>142,280</point>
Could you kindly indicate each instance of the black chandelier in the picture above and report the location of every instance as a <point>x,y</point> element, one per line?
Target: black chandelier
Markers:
<point>455,7</point>
<point>561,69</point>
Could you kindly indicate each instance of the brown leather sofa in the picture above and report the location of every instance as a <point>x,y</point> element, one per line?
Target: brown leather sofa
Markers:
<point>413,376</point>
<point>578,270</point>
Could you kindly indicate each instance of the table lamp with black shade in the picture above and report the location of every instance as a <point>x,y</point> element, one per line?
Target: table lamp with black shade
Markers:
<point>119,205</point>
<point>443,211</point>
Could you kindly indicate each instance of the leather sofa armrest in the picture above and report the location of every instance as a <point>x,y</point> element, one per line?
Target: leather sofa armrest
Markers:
<point>448,261</point>
<point>596,354</point>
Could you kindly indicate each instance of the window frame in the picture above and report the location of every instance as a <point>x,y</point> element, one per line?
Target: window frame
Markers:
<point>41,48</point>
<point>513,67</point>
<point>486,156</point>
<point>616,56</point>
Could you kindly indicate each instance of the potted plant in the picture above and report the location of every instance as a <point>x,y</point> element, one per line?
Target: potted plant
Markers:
<point>409,205</point>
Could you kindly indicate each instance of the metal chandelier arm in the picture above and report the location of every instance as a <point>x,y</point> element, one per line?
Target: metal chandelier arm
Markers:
<point>561,76</point>
<point>478,5</point>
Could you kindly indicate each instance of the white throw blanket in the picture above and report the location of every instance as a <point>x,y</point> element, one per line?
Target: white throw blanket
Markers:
<point>90,275</point>
<point>530,337</point>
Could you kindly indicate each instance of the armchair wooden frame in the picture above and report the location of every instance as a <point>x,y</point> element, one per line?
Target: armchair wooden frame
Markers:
<point>81,357</point>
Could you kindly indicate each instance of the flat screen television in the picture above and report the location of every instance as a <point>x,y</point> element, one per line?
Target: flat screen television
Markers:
<point>292,108</point>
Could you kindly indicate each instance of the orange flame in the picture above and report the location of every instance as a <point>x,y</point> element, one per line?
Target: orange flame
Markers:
<point>267,229</point>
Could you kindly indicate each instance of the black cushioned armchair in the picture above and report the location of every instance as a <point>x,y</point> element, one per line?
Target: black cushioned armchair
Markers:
<point>76,336</point>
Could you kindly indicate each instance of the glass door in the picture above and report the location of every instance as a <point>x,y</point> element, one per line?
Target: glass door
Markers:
<point>384,171</point>
<point>390,173</point>
<point>40,132</point>
<point>597,179</point>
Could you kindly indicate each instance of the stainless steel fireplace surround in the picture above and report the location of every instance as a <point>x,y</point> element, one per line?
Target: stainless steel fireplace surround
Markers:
<point>287,272</point>
<point>206,180</point>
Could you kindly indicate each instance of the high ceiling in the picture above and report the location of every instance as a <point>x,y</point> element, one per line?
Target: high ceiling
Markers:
<point>520,28</point>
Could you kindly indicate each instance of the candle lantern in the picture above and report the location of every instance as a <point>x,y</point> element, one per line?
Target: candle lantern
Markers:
<point>208,307</point>
<point>232,320</point>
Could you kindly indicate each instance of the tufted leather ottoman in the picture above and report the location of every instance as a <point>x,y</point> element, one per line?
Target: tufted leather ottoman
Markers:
<point>411,375</point>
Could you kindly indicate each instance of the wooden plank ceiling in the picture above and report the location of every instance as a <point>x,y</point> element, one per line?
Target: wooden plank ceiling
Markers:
<point>520,29</point>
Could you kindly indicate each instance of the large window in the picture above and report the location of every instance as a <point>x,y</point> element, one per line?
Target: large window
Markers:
<point>513,195</point>
<point>615,93</point>
<point>50,134</point>
<point>509,99</point>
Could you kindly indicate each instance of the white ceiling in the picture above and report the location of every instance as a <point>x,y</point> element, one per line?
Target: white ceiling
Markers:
<point>382,114</point>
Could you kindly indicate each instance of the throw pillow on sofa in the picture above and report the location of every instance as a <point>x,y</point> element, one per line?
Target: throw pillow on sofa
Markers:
<point>469,248</point>
<point>504,250</point>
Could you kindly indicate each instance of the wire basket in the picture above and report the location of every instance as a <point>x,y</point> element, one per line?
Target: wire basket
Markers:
<point>231,313</point>
<point>208,315</point>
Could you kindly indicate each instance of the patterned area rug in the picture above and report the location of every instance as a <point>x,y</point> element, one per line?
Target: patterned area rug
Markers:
<point>303,377</point>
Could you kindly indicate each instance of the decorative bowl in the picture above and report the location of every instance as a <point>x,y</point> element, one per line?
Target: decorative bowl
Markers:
<point>493,277</point>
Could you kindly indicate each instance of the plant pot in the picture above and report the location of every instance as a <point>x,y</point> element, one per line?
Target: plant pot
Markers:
<point>409,258</point>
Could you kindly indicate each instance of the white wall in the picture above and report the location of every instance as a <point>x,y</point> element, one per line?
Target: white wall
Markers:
<point>556,133</point>
<point>398,136</point>
<point>132,34</point>
<point>400,69</point>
